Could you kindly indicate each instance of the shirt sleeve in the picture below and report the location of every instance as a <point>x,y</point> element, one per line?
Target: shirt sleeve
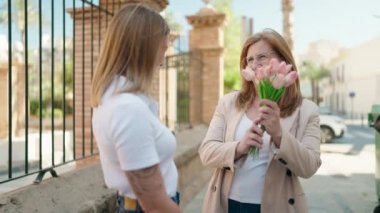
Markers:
<point>132,133</point>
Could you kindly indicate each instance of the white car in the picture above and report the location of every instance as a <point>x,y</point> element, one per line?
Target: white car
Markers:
<point>332,126</point>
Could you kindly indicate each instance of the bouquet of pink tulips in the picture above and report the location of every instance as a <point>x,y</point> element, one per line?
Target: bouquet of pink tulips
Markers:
<point>271,81</point>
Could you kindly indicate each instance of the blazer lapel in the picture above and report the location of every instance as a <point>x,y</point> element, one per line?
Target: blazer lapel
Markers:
<point>288,122</point>
<point>232,122</point>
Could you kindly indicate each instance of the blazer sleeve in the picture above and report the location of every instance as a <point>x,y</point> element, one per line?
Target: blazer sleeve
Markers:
<point>302,157</point>
<point>214,150</point>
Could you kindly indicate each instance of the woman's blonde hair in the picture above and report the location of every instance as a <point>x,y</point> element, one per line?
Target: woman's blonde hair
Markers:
<point>292,98</point>
<point>129,49</point>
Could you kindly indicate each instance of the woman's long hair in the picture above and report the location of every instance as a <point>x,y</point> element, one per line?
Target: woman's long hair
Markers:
<point>129,49</point>
<point>292,98</point>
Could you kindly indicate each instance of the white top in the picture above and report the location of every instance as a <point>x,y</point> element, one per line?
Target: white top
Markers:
<point>131,137</point>
<point>248,183</point>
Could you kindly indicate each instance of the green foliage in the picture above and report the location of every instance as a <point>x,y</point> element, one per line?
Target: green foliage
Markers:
<point>312,71</point>
<point>47,88</point>
<point>183,96</point>
<point>18,7</point>
<point>34,107</point>
<point>232,81</point>
<point>46,108</point>
<point>232,46</point>
<point>173,24</point>
<point>58,81</point>
<point>3,15</point>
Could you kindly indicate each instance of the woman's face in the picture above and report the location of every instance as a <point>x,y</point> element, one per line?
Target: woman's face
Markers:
<point>259,54</point>
<point>161,51</point>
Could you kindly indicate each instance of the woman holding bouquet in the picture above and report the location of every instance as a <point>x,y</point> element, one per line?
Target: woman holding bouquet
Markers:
<point>260,146</point>
<point>136,150</point>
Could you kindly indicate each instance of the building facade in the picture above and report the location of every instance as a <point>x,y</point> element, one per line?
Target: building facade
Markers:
<point>354,84</point>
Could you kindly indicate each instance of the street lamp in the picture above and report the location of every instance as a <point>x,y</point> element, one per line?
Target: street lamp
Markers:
<point>352,96</point>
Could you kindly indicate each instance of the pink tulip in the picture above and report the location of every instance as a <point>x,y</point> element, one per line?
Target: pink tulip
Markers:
<point>259,73</point>
<point>275,63</point>
<point>272,80</point>
<point>282,68</point>
<point>288,68</point>
<point>278,81</point>
<point>290,78</point>
<point>248,74</point>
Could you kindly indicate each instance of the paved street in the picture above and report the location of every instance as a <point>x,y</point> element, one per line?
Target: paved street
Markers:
<point>345,182</point>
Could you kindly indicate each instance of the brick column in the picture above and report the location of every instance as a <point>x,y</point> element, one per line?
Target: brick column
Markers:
<point>87,46</point>
<point>85,43</point>
<point>206,44</point>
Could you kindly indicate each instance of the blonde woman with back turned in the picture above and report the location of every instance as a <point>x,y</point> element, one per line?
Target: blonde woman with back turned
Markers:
<point>136,150</point>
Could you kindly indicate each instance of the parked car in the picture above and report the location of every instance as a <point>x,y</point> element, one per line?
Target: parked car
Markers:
<point>332,126</point>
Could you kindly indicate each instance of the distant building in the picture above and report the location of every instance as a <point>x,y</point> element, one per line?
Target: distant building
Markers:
<point>319,52</point>
<point>246,28</point>
<point>354,85</point>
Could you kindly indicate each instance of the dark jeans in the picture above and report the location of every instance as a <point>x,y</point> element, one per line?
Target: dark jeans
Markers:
<point>120,205</point>
<point>237,207</point>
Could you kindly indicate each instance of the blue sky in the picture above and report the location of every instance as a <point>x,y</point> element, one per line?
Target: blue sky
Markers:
<point>348,22</point>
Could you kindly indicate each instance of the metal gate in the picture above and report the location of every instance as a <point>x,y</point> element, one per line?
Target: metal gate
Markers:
<point>45,52</point>
<point>183,63</point>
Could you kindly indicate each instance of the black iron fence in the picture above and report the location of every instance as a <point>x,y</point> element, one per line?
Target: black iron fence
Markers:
<point>48,49</point>
<point>44,61</point>
<point>181,63</point>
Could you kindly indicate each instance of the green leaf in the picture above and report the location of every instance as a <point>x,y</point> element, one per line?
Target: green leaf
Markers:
<point>280,94</point>
<point>261,90</point>
<point>266,89</point>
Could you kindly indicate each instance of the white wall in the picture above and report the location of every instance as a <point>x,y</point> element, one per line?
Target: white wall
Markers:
<point>358,71</point>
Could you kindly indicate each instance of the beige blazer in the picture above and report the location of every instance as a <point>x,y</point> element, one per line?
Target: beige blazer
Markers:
<point>298,156</point>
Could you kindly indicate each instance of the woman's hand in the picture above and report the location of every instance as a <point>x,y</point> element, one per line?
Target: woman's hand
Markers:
<point>253,137</point>
<point>269,116</point>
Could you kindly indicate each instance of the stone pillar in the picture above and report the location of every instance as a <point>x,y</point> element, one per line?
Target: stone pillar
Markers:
<point>3,101</point>
<point>84,40</point>
<point>165,89</point>
<point>18,99</point>
<point>206,44</point>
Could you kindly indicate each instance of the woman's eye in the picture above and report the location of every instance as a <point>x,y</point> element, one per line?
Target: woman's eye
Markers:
<point>261,57</point>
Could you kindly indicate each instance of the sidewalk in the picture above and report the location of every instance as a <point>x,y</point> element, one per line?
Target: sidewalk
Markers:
<point>344,183</point>
<point>325,194</point>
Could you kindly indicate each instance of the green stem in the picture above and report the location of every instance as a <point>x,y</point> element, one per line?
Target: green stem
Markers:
<point>254,152</point>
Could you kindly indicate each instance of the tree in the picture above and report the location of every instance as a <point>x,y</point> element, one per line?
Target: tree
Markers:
<point>287,23</point>
<point>314,73</point>
<point>173,24</point>
<point>231,46</point>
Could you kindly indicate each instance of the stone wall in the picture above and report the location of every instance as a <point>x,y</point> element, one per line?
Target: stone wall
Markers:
<point>3,101</point>
<point>83,189</point>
